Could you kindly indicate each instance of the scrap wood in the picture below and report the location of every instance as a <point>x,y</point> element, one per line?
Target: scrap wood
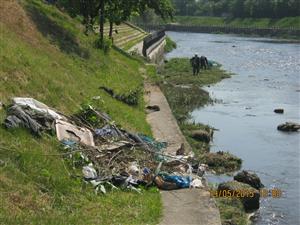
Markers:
<point>114,146</point>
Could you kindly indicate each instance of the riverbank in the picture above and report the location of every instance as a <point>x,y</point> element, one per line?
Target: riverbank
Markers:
<point>285,29</point>
<point>284,23</point>
<point>196,206</point>
<point>184,94</point>
<point>244,113</point>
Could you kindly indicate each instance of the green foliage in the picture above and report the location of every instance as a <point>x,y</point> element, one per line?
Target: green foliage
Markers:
<point>238,22</point>
<point>170,44</point>
<point>238,8</point>
<point>221,162</point>
<point>132,98</point>
<point>232,211</point>
<point>105,46</point>
<point>88,114</point>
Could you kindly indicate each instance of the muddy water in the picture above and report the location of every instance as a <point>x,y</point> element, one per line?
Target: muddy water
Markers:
<point>267,74</point>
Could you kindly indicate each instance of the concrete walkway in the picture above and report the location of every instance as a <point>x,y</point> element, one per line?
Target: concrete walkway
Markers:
<point>184,206</point>
<point>163,124</point>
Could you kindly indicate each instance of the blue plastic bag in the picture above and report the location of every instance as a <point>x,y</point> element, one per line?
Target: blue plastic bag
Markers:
<point>181,182</point>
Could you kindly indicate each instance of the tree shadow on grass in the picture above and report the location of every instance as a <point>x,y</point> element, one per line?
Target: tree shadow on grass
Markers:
<point>65,40</point>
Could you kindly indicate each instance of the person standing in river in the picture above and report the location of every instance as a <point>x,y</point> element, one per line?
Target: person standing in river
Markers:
<point>195,62</point>
<point>203,62</point>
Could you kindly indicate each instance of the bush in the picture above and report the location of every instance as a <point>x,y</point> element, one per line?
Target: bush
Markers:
<point>105,46</point>
<point>170,45</point>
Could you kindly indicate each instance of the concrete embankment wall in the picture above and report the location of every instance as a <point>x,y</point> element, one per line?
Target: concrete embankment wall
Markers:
<point>225,29</point>
<point>154,45</point>
<point>156,52</point>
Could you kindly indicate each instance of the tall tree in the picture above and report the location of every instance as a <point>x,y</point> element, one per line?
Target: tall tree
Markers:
<point>116,11</point>
<point>101,21</point>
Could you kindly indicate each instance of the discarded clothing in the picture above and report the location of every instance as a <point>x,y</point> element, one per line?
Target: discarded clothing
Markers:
<point>20,117</point>
<point>89,173</point>
<point>38,106</point>
<point>107,132</point>
<point>67,131</point>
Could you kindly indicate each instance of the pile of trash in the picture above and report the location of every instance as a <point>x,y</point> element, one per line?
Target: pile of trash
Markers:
<point>108,155</point>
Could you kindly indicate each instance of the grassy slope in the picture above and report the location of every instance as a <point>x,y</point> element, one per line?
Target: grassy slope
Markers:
<point>286,22</point>
<point>44,55</point>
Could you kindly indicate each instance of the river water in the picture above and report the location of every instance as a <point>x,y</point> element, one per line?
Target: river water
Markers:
<point>267,76</point>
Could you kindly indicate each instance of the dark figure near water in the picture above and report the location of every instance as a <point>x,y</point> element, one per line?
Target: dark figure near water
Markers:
<point>203,62</point>
<point>195,62</point>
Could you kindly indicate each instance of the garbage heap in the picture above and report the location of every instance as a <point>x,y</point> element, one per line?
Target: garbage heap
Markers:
<point>108,155</point>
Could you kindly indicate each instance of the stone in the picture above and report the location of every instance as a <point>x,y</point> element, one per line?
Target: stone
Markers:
<point>181,150</point>
<point>154,108</point>
<point>249,178</point>
<point>288,127</point>
<point>201,135</point>
<point>248,195</point>
<point>279,111</point>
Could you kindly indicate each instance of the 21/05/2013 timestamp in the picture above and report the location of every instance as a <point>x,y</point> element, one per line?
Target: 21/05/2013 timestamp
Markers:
<point>246,193</point>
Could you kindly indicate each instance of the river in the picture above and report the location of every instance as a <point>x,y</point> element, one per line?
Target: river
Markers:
<point>267,76</point>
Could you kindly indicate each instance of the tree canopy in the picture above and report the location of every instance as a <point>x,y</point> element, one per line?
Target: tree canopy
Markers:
<point>113,11</point>
<point>238,8</point>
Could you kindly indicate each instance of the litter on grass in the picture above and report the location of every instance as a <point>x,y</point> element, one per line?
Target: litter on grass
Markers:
<point>109,157</point>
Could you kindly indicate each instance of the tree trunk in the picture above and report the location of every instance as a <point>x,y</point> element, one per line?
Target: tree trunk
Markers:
<point>101,22</point>
<point>111,25</point>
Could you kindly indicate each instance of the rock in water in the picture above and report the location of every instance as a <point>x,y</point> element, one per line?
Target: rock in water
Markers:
<point>249,178</point>
<point>289,126</point>
<point>248,195</point>
<point>201,135</point>
<point>279,111</point>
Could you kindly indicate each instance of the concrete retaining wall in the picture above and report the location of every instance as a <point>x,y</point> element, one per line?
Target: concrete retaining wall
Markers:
<point>225,29</point>
<point>156,52</point>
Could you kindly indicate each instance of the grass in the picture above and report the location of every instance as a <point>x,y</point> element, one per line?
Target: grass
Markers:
<point>45,55</point>
<point>286,22</point>
<point>170,45</point>
<point>232,211</point>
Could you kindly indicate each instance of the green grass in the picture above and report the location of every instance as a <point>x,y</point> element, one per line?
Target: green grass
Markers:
<point>286,22</point>
<point>170,45</point>
<point>51,60</point>
<point>132,43</point>
<point>232,211</point>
